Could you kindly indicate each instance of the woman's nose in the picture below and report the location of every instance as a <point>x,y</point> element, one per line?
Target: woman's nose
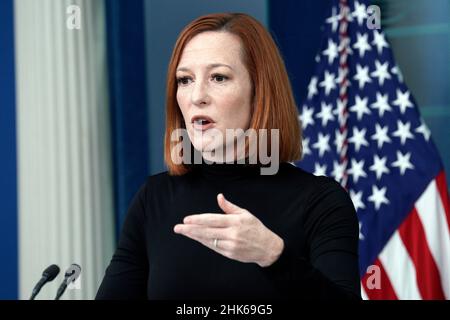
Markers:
<point>200,94</point>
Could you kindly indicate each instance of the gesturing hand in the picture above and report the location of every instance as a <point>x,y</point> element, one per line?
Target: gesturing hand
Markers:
<point>240,235</point>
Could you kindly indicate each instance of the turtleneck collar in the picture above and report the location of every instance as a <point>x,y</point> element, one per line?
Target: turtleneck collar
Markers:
<point>227,171</point>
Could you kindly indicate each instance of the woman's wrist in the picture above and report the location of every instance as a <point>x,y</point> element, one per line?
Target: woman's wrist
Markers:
<point>274,252</point>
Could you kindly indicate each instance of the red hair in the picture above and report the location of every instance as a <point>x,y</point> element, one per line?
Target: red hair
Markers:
<point>273,102</point>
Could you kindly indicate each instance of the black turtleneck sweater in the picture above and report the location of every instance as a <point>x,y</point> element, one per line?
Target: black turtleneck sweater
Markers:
<point>313,215</point>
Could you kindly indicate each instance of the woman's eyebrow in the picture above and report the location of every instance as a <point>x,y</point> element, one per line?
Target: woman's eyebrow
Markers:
<point>209,66</point>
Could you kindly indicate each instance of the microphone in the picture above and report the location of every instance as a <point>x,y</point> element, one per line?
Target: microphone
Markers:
<point>48,275</point>
<point>72,274</point>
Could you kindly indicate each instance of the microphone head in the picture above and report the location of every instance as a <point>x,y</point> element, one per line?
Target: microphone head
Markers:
<point>73,269</point>
<point>51,272</point>
<point>72,273</point>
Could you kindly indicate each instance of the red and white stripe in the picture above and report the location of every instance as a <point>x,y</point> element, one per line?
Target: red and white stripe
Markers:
<point>344,49</point>
<point>415,263</point>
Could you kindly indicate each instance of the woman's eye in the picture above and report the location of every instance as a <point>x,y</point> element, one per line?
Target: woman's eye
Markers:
<point>183,80</point>
<point>219,77</point>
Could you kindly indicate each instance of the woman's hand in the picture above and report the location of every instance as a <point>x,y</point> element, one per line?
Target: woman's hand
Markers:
<point>240,235</point>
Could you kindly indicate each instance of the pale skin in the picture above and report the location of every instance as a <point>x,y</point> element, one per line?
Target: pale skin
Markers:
<point>243,237</point>
<point>214,81</point>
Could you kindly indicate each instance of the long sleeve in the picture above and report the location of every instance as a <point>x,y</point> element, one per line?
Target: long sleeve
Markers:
<point>314,216</point>
<point>325,265</point>
<point>126,275</point>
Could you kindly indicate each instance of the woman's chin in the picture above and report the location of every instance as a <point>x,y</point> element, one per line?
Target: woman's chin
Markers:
<point>209,152</point>
<point>206,145</point>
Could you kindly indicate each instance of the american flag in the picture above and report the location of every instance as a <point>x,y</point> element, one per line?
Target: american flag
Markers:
<point>362,126</point>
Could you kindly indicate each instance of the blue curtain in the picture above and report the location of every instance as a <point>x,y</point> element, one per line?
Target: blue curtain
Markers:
<point>296,28</point>
<point>8,180</point>
<point>128,100</point>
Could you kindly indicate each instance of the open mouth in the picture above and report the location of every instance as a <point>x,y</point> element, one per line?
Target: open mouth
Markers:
<point>202,123</point>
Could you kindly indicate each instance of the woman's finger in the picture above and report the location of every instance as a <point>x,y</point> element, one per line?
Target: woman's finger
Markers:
<point>227,206</point>
<point>223,245</point>
<point>202,232</point>
<point>210,219</point>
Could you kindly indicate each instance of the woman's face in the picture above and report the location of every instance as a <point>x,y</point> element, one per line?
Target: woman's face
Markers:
<point>214,84</point>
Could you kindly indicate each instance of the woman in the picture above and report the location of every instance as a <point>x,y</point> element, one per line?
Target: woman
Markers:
<point>220,229</point>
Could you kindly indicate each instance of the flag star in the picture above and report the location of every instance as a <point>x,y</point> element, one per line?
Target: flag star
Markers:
<point>362,75</point>
<point>361,236</point>
<point>379,41</point>
<point>403,162</point>
<point>322,143</point>
<point>360,12</point>
<point>305,144</point>
<point>339,140</point>
<point>320,170</point>
<point>334,19</point>
<point>360,107</point>
<point>381,104</point>
<point>378,197</point>
<point>395,70</point>
<point>312,87</point>
<point>358,138</point>
<point>331,52</point>
<point>403,101</point>
<point>423,129</point>
<point>403,131</point>
<point>328,82</point>
<point>381,135</point>
<point>379,166</point>
<point>357,199</point>
<point>306,117</point>
<point>338,170</point>
<point>361,44</point>
<point>381,72</point>
<point>357,170</point>
<point>325,113</point>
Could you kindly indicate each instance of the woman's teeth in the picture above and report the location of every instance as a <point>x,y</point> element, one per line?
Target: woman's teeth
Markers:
<point>201,121</point>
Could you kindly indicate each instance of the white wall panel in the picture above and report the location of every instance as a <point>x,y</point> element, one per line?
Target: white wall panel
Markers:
<point>65,174</point>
